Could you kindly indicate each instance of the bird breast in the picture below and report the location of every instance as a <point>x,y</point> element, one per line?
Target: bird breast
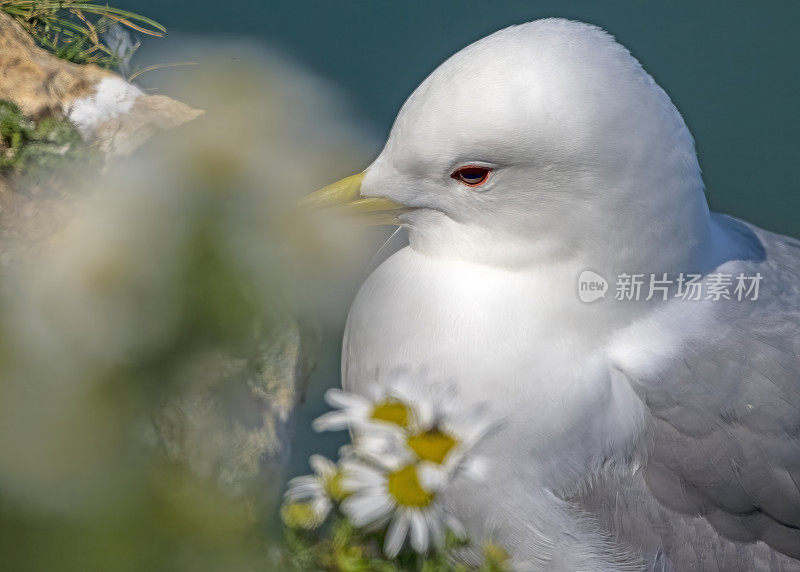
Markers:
<point>512,340</point>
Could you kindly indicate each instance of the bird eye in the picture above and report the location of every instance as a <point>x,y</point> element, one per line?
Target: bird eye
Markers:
<point>471,175</point>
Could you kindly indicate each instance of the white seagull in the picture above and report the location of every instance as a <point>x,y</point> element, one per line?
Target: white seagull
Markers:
<point>659,433</point>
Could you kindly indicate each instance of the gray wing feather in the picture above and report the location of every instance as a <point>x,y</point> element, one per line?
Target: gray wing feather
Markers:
<point>725,416</point>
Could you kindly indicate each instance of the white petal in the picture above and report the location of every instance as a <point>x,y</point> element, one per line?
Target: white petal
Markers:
<point>396,535</point>
<point>346,453</point>
<point>363,509</point>
<point>321,506</point>
<point>431,476</point>
<point>303,480</point>
<point>386,462</point>
<point>361,483</point>
<point>322,466</point>
<point>425,414</point>
<point>418,398</point>
<point>379,429</point>
<point>357,474</point>
<point>344,399</point>
<point>454,525</point>
<point>419,531</point>
<point>435,527</point>
<point>380,523</point>
<point>386,450</point>
<point>332,421</point>
<point>374,442</point>
<point>303,487</point>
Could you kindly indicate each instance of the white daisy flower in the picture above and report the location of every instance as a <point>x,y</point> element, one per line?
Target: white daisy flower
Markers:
<point>388,491</point>
<point>410,442</point>
<point>450,434</point>
<point>310,497</point>
<point>437,428</point>
<point>385,408</point>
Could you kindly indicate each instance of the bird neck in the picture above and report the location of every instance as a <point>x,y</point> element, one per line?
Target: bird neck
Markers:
<point>658,238</point>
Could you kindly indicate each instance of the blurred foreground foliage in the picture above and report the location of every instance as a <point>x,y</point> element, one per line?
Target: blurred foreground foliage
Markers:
<point>152,353</point>
<point>171,521</point>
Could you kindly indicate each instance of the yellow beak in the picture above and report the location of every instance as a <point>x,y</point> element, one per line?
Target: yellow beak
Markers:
<point>345,195</point>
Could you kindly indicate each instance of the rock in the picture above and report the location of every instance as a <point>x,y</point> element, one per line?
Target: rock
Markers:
<point>129,117</point>
<point>237,428</point>
<point>113,117</point>
<point>111,113</point>
<point>35,80</point>
<point>38,161</point>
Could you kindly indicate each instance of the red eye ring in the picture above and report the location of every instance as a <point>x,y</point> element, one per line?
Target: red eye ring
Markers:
<point>472,175</point>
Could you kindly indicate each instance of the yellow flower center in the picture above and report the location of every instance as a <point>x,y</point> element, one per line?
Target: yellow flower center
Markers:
<point>334,487</point>
<point>433,445</point>
<point>496,556</point>
<point>300,515</point>
<point>405,488</point>
<point>392,411</point>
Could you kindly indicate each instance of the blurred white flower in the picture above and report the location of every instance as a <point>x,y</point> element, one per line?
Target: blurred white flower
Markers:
<point>382,410</point>
<point>387,490</point>
<point>450,434</point>
<point>398,404</point>
<point>410,442</point>
<point>428,423</point>
<point>315,494</point>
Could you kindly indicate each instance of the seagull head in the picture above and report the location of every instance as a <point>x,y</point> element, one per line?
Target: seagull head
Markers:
<point>541,142</point>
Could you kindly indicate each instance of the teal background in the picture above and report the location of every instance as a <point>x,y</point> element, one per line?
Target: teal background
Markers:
<point>729,66</point>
